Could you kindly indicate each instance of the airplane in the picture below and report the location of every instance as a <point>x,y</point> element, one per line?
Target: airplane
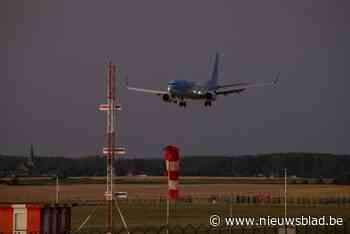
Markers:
<point>180,90</point>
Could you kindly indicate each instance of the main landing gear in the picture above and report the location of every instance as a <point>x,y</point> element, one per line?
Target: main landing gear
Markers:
<point>207,103</point>
<point>182,103</point>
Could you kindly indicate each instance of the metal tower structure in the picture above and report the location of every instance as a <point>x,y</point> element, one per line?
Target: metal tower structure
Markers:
<point>111,150</point>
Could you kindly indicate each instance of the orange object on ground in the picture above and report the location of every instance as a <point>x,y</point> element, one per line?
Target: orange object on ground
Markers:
<point>6,217</point>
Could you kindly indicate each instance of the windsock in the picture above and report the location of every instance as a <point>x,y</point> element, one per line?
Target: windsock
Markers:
<point>172,163</point>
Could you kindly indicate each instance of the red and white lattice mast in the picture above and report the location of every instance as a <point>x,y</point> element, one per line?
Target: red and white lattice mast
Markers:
<point>111,150</point>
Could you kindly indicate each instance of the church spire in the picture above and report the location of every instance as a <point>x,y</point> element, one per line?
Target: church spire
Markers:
<point>31,153</point>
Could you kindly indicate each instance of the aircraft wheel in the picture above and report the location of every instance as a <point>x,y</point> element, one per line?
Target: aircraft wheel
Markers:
<point>207,103</point>
<point>184,104</point>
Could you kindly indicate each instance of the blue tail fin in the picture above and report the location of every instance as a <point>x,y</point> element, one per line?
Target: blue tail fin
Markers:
<point>213,82</point>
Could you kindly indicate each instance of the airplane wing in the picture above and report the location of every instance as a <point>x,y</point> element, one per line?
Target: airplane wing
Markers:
<point>232,85</point>
<point>240,87</point>
<point>157,92</point>
<point>152,91</point>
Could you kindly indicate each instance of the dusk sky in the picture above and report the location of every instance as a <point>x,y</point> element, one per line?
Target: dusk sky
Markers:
<point>53,56</point>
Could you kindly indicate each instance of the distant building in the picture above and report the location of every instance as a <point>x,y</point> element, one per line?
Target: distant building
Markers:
<point>35,218</point>
<point>22,170</point>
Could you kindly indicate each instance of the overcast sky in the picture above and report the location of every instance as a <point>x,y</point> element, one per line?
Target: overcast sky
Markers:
<point>52,68</point>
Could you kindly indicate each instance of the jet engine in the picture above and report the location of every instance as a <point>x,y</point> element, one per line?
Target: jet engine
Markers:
<point>166,98</point>
<point>210,96</point>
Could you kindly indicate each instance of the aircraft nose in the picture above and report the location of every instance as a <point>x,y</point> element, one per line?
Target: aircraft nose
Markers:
<point>172,86</point>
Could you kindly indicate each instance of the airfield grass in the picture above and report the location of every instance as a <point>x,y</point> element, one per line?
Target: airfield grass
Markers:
<point>182,214</point>
<point>147,205</point>
<point>153,187</point>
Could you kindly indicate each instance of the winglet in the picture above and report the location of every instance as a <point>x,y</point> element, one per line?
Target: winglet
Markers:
<point>275,81</point>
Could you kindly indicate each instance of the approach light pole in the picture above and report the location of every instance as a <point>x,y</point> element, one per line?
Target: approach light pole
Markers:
<point>111,150</point>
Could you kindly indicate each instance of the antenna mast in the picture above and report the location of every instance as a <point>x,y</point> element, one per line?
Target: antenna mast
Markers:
<point>111,150</point>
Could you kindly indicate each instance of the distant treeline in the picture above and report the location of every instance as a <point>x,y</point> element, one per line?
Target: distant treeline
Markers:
<point>305,165</point>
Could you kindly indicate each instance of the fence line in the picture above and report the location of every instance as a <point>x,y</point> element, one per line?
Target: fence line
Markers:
<point>239,199</point>
<point>235,199</point>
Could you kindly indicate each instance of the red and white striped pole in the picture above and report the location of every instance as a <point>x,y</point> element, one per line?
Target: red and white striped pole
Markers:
<point>172,162</point>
